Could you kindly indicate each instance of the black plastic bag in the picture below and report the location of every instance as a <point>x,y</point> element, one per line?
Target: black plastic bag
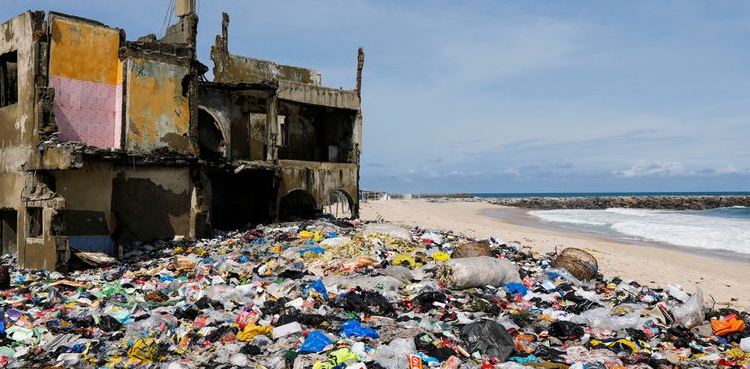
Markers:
<point>187,312</point>
<point>566,330</point>
<point>490,338</point>
<point>109,324</point>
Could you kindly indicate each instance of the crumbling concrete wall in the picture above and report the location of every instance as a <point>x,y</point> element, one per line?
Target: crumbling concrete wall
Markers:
<point>319,180</point>
<point>163,205</point>
<point>88,204</point>
<point>318,95</point>
<point>230,68</point>
<point>86,73</point>
<point>18,124</point>
<point>240,69</point>
<point>158,111</point>
<point>49,248</point>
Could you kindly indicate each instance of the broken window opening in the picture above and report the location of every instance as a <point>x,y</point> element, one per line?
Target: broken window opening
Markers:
<point>34,222</point>
<point>8,231</point>
<point>283,131</point>
<point>8,79</point>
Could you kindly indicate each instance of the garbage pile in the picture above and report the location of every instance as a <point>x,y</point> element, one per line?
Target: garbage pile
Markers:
<point>345,295</point>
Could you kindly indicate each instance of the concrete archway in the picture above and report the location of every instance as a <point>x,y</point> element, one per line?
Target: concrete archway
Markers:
<point>339,204</point>
<point>211,139</point>
<point>297,204</point>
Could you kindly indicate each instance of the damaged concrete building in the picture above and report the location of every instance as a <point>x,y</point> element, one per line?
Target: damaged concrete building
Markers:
<point>105,141</point>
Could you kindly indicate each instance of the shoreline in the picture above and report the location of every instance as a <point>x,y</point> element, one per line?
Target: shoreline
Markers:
<point>521,217</point>
<point>649,265</point>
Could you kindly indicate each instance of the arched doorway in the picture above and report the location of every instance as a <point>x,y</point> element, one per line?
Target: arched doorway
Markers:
<point>211,141</point>
<point>339,204</point>
<point>297,204</point>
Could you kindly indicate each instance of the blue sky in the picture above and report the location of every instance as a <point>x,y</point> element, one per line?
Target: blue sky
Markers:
<point>507,96</point>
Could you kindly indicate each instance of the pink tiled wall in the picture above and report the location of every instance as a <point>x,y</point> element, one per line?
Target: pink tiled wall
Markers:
<point>88,112</point>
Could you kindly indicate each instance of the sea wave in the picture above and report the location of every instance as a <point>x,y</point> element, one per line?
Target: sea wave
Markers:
<point>717,229</point>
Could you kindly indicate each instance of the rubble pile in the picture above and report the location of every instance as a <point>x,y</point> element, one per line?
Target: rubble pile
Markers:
<point>345,295</point>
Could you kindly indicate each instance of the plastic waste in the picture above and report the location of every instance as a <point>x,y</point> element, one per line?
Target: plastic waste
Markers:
<point>286,329</point>
<point>354,328</point>
<point>745,344</point>
<point>385,284</point>
<point>402,274</point>
<point>318,287</point>
<point>252,330</point>
<point>516,288</point>
<point>727,325</point>
<point>488,338</point>
<point>395,354</point>
<point>603,318</point>
<point>387,229</point>
<point>335,242</point>
<point>316,341</point>
<point>676,291</point>
<point>690,314</point>
<point>478,272</point>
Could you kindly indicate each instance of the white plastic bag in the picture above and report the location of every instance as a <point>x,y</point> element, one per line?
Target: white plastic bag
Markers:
<point>600,318</point>
<point>478,271</point>
<point>403,274</point>
<point>388,229</point>
<point>690,314</point>
<point>394,355</point>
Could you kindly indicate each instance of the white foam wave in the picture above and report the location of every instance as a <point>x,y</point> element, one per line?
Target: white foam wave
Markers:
<point>566,216</point>
<point>690,229</point>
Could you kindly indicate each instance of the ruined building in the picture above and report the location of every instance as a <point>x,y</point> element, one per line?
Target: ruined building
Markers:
<point>104,141</point>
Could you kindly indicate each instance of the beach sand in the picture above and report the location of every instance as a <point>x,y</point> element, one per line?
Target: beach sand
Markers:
<point>651,265</point>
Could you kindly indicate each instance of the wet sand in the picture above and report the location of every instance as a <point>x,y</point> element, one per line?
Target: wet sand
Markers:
<point>726,279</point>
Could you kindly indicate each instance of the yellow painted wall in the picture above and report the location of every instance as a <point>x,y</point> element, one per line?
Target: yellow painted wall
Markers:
<point>84,51</point>
<point>158,115</point>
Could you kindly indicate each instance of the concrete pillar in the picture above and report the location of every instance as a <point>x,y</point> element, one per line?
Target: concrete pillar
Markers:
<point>272,129</point>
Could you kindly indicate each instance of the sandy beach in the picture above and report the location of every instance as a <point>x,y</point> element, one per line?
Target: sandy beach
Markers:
<point>723,280</point>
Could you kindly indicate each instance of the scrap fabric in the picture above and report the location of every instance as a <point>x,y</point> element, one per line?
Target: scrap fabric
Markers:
<point>341,294</point>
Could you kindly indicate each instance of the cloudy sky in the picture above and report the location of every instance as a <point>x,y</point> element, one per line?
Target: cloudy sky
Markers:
<point>507,96</point>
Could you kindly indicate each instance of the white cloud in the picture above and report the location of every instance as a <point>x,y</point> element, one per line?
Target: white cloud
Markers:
<point>643,169</point>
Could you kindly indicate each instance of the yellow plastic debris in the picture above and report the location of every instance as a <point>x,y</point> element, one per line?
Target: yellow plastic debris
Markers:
<point>399,259</point>
<point>335,358</point>
<point>146,350</point>
<point>306,235</point>
<point>252,330</point>
<point>276,249</point>
<point>440,256</point>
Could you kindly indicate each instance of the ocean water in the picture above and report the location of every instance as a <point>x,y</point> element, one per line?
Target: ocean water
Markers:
<point>604,194</point>
<point>723,229</point>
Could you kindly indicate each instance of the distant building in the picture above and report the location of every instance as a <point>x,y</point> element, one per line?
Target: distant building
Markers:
<point>104,141</point>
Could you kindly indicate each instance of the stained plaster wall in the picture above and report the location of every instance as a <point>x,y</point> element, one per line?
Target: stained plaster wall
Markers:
<point>50,250</point>
<point>239,69</point>
<point>158,111</point>
<point>88,197</point>
<point>152,202</point>
<point>18,126</point>
<point>86,73</point>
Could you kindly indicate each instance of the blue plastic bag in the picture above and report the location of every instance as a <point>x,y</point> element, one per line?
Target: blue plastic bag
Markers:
<point>315,342</point>
<point>354,328</point>
<point>514,288</point>
<point>318,287</point>
<point>316,250</point>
